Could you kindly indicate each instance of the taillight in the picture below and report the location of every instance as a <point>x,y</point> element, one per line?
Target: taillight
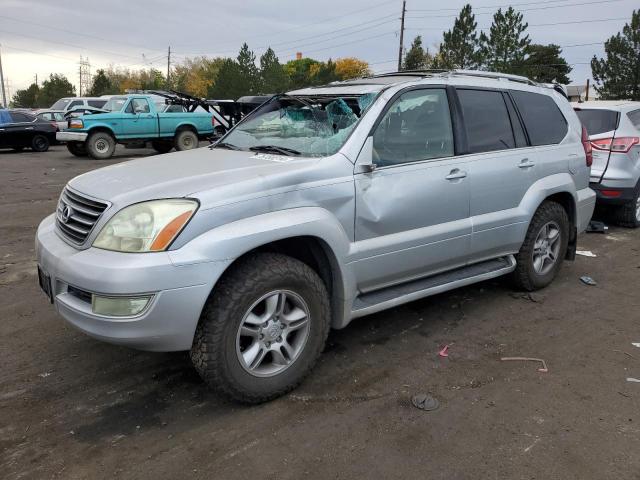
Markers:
<point>586,144</point>
<point>617,145</point>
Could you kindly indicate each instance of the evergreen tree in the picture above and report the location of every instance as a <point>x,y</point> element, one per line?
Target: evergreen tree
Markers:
<point>249,74</point>
<point>544,63</point>
<point>324,73</point>
<point>54,88</point>
<point>101,85</point>
<point>229,83</point>
<point>272,75</point>
<point>505,48</point>
<point>416,58</point>
<point>459,47</point>
<point>26,98</point>
<point>618,76</point>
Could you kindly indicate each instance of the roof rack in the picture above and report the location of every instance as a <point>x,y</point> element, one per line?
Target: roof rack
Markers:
<point>459,72</point>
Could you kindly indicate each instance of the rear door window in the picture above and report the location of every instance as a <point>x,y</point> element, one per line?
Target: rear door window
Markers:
<point>96,103</point>
<point>75,103</point>
<point>22,117</point>
<point>542,118</point>
<point>597,120</point>
<point>487,120</point>
<point>634,116</point>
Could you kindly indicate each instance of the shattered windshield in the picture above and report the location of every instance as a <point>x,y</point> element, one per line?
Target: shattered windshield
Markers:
<point>310,126</point>
<point>115,104</point>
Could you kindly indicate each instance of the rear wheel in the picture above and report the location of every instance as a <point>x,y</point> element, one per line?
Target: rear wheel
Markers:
<point>628,215</point>
<point>162,146</point>
<point>100,145</point>
<point>263,329</point>
<point>186,140</point>
<point>544,247</point>
<point>78,149</point>
<point>40,143</point>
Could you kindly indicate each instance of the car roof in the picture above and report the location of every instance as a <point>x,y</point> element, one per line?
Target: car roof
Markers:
<point>607,104</point>
<point>378,83</point>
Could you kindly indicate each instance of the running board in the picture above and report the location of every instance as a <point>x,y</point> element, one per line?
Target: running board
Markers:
<point>407,292</point>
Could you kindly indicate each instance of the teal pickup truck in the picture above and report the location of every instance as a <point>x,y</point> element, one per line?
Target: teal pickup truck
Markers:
<point>133,120</point>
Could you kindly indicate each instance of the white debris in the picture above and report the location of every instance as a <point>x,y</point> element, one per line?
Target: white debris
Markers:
<point>634,380</point>
<point>586,253</point>
<point>44,374</point>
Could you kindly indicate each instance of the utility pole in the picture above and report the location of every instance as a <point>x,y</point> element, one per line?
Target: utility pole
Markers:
<point>85,75</point>
<point>168,65</point>
<point>404,9</point>
<point>586,95</point>
<point>4,94</point>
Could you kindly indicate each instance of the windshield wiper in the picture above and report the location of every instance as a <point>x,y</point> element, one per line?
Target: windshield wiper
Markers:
<point>228,146</point>
<point>275,149</point>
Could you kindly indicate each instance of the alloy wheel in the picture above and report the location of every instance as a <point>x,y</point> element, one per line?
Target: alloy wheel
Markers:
<point>546,248</point>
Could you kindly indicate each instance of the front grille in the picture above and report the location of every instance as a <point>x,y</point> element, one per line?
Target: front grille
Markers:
<point>77,214</point>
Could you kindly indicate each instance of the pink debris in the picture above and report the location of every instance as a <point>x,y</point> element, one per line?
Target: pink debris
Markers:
<point>444,352</point>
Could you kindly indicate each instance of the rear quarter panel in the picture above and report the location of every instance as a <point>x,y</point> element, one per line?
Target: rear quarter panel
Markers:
<point>170,122</point>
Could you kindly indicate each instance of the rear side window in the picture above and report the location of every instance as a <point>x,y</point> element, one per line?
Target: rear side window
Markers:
<point>487,120</point>
<point>598,121</point>
<point>96,103</point>
<point>542,118</point>
<point>75,103</point>
<point>635,118</point>
<point>22,117</point>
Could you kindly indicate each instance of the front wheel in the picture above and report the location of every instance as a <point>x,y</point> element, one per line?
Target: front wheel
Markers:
<point>40,143</point>
<point>186,140</point>
<point>263,328</point>
<point>544,248</point>
<point>100,145</point>
<point>77,149</point>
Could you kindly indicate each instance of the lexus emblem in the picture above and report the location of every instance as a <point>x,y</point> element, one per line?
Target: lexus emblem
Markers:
<point>66,213</point>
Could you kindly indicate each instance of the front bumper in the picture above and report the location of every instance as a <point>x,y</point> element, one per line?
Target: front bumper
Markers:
<point>167,324</point>
<point>71,136</point>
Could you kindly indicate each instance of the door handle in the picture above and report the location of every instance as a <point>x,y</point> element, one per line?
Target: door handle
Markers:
<point>526,163</point>
<point>456,174</point>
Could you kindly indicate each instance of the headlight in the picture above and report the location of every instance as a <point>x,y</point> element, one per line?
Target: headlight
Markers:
<point>76,123</point>
<point>146,227</point>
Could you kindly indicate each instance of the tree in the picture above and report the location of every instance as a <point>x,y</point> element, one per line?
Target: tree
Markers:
<point>618,76</point>
<point>229,83</point>
<point>545,64</point>
<point>196,75</point>
<point>54,88</point>
<point>323,73</point>
<point>249,74</point>
<point>416,58</point>
<point>459,47</point>
<point>351,67</point>
<point>27,98</point>
<point>300,72</point>
<point>505,48</point>
<point>101,85</point>
<point>273,78</point>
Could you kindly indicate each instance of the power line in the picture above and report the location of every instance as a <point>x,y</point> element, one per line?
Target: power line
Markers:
<point>489,6</point>
<point>544,24</point>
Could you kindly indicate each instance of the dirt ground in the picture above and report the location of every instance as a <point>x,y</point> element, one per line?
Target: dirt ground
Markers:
<point>74,408</point>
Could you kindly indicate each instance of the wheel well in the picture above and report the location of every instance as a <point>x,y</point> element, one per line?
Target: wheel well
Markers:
<point>568,203</point>
<point>186,127</point>
<point>100,129</point>
<point>313,252</point>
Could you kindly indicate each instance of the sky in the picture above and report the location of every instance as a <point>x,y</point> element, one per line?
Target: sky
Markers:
<point>39,37</point>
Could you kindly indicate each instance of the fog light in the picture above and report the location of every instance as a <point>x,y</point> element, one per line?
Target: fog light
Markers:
<point>119,306</point>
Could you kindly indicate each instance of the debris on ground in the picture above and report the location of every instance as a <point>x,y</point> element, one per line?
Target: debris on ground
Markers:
<point>596,227</point>
<point>634,380</point>
<point>636,344</point>
<point>542,369</point>
<point>586,253</point>
<point>527,296</point>
<point>588,280</point>
<point>44,374</point>
<point>425,402</point>
<point>444,351</point>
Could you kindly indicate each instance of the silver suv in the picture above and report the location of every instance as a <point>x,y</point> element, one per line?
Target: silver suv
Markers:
<point>323,205</point>
<point>614,131</point>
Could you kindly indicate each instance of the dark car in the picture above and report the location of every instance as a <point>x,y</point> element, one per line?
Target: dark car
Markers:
<point>21,129</point>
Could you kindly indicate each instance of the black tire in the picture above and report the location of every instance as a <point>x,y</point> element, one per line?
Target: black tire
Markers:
<point>162,146</point>
<point>214,347</point>
<point>628,215</point>
<point>186,140</point>
<point>39,143</point>
<point>524,276</point>
<point>77,149</point>
<point>100,145</point>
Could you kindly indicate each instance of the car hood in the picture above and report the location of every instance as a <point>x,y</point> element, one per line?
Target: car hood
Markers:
<point>215,176</point>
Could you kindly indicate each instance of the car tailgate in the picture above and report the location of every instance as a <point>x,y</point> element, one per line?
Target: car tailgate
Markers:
<point>600,158</point>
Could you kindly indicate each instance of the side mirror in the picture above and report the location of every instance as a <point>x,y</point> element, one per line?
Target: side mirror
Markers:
<point>364,163</point>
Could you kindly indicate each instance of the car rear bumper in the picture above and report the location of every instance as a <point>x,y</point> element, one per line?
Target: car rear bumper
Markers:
<point>71,136</point>
<point>586,203</point>
<point>607,195</point>
<point>178,292</point>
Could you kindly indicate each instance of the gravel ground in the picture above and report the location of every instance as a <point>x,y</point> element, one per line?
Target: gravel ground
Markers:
<point>75,408</point>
